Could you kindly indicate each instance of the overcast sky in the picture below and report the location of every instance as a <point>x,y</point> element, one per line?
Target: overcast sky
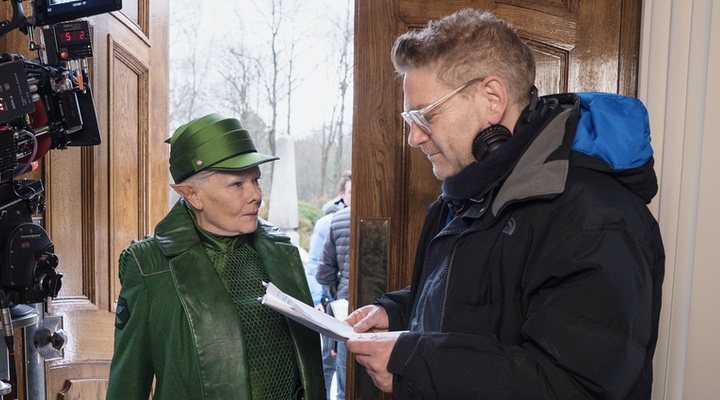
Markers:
<point>232,21</point>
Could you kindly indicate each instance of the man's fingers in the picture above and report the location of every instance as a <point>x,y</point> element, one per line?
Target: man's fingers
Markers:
<point>357,347</point>
<point>362,326</point>
<point>359,316</point>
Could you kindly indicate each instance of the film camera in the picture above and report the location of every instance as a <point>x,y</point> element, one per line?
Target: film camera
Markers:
<point>45,103</point>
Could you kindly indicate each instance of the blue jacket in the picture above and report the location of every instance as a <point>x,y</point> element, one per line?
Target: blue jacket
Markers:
<point>334,267</point>
<point>317,242</point>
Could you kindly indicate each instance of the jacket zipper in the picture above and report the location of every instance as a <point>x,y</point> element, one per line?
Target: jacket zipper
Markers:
<point>425,265</point>
<point>447,277</point>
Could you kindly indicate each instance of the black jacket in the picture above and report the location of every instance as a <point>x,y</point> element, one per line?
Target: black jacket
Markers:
<point>539,269</point>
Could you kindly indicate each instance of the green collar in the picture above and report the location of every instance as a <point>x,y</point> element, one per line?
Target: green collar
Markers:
<point>216,242</point>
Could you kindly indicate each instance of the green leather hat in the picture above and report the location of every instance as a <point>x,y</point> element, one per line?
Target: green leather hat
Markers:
<point>212,142</point>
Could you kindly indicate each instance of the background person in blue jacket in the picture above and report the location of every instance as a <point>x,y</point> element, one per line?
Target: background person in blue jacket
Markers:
<point>321,294</point>
<point>539,269</point>
<point>333,273</point>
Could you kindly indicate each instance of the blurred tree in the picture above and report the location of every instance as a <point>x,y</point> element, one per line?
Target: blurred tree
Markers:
<point>344,29</point>
<point>252,60</point>
<point>334,131</point>
<point>190,65</point>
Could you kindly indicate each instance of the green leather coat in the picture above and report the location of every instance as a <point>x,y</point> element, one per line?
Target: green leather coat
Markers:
<point>176,321</point>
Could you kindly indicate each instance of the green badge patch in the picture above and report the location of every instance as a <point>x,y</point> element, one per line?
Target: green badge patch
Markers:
<point>122,313</point>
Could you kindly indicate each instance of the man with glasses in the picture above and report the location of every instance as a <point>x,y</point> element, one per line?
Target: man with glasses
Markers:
<point>539,268</point>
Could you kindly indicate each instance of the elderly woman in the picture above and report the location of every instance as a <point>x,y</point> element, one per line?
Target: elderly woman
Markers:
<point>188,314</point>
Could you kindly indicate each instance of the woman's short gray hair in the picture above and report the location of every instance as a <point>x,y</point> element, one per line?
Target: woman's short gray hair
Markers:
<point>197,180</point>
<point>200,178</point>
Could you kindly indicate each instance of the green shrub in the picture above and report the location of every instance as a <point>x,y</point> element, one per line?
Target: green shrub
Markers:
<point>308,213</point>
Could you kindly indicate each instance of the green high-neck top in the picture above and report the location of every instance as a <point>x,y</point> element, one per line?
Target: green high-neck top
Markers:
<point>271,355</point>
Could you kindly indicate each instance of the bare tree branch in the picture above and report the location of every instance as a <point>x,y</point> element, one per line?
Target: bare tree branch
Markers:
<point>186,92</point>
<point>333,131</point>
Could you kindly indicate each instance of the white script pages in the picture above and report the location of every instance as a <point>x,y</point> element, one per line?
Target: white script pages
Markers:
<point>306,315</point>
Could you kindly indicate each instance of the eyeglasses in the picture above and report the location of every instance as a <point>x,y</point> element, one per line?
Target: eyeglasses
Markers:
<point>417,117</point>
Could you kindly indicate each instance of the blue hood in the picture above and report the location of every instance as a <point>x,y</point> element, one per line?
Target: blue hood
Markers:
<point>615,129</point>
<point>611,135</point>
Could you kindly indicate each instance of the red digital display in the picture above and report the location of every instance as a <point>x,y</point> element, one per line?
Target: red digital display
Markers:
<point>68,37</point>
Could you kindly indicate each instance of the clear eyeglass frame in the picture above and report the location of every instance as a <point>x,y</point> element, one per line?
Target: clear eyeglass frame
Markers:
<point>417,117</point>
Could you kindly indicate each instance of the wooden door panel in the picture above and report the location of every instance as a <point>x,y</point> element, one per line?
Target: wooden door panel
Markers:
<point>562,8</point>
<point>133,9</point>
<point>126,199</point>
<point>128,160</point>
<point>417,13</point>
<point>78,389</point>
<point>547,60</point>
<point>86,380</point>
<point>62,217</point>
<point>578,45</point>
<point>124,156</point>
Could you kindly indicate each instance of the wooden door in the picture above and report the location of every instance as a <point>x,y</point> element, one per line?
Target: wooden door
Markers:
<point>118,190</point>
<point>100,198</point>
<point>579,46</point>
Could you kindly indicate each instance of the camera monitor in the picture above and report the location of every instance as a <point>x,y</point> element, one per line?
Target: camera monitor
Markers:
<point>48,12</point>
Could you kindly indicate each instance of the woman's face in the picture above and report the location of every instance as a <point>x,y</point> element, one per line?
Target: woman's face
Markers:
<point>227,202</point>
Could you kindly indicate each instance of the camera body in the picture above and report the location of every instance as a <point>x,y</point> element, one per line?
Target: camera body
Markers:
<point>27,259</point>
<point>45,103</point>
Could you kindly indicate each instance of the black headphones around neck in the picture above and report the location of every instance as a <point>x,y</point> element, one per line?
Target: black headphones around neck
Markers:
<point>489,140</point>
<point>492,137</point>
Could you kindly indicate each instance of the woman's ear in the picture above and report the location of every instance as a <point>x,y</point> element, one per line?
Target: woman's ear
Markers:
<point>496,94</point>
<point>188,192</point>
